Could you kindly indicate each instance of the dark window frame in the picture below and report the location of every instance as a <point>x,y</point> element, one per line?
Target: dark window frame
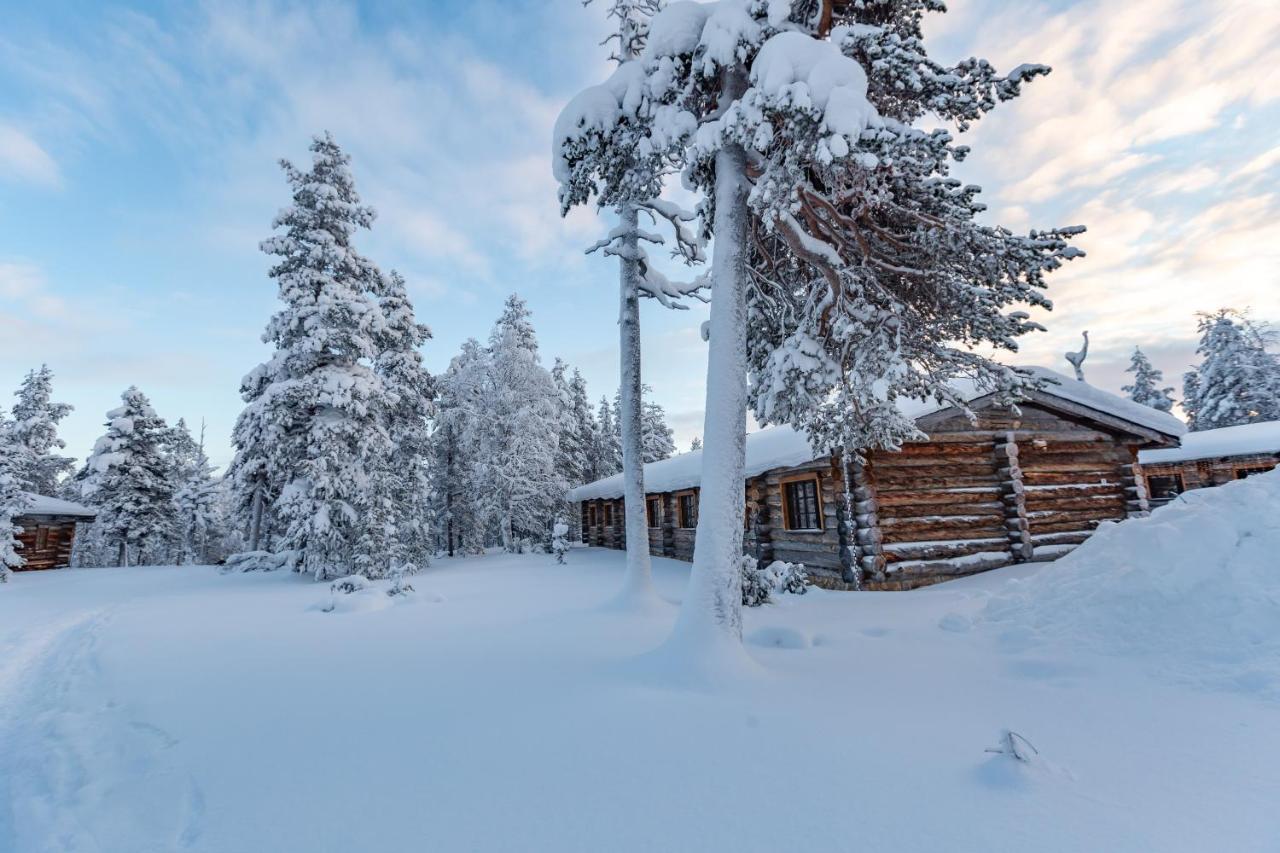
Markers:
<point>1174,478</point>
<point>801,504</point>
<point>653,512</point>
<point>687,510</point>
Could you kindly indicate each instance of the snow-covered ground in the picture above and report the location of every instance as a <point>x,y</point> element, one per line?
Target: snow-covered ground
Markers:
<point>502,707</point>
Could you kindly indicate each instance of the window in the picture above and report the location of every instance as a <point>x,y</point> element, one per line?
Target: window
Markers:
<point>653,510</point>
<point>687,509</point>
<point>608,515</point>
<point>42,538</point>
<point>593,515</point>
<point>586,522</point>
<point>1241,473</point>
<point>800,504</point>
<point>1164,487</point>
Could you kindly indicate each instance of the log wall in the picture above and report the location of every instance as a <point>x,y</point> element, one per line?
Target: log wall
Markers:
<point>56,536</point>
<point>1205,473</point>
<point>1012,487</point>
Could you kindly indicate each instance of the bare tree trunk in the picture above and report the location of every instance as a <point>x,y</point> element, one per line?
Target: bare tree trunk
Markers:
<point>638,584</point>
<point>122,557</point>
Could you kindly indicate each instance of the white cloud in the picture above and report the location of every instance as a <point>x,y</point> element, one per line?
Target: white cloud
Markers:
<point>22,158</point>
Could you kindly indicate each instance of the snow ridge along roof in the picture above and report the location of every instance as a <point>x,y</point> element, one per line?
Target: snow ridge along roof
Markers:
<point>783,447</point>
<point>1242,440</point>
<point>44,505</point>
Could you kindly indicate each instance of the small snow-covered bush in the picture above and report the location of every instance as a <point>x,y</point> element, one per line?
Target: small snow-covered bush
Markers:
<point>349,584</point>
<point>560,540</point>
<point>261,561</point>
<point>759,584</point>
<point>399,586</point>
<point>756,587</point>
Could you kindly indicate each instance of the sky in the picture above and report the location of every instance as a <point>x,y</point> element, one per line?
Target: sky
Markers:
<point>139,149</point>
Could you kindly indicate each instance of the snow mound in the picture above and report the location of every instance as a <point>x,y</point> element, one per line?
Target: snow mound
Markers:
<point>1193,589</point>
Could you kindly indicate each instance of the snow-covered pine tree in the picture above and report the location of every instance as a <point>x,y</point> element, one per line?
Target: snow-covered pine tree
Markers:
<point>129,480</point>
<point>35,430</point>
<point>637,277</point>
<point>659,441</point>
<point>1145,379</point>
<point>455,441</point>
<point>849,269</point>
<point>608,445</point>
<point>13,499</point>
<point>317,409</point>
<point>581,433</point>
<point>196,496</point>
<point>1237,380</point>
<point>696,444</point>
<point>411,389</point>
<point>519,438</point>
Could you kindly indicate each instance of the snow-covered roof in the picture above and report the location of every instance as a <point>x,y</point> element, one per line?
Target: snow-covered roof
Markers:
<point>44,505</point>
<point>1243,440</point>
<point>783,447</point>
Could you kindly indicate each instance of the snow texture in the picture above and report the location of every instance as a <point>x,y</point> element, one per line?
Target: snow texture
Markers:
<point>1242,440</point>
<point>44,505</point>
<point>1192,590</point>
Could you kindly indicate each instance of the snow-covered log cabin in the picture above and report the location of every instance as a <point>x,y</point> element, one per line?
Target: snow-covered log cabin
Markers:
<point>49,531</point>
<point>1210,458</point>
<point>1010,487</point>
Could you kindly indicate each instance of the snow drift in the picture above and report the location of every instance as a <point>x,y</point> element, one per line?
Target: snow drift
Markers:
<point>1194,589</point>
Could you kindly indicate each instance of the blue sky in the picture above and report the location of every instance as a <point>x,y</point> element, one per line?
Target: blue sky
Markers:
<point>138,149</point>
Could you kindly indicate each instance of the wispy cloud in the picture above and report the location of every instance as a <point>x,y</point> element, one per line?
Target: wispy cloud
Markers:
<point>22,158</point>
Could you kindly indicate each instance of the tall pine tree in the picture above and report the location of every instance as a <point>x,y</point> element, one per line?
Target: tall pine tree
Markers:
<point>129,480</point>
<point>318,409</point>
<point>35,432</point>
<point>1238,380</point>
<point>1146,378</point>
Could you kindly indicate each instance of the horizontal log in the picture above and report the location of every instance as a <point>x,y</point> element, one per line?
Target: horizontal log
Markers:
<point>939,497</point>
<point>918,532</point>
<point>897,482</point>
<point>907,512</point>
<point>1032,477</point>
<point>1092,514</point>
<point>941,550</point>
<point>1046,504</point>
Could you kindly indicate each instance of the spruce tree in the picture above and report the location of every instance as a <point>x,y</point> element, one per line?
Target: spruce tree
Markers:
<point>582,434</point>
<point>129,480</point>
<point>35,432</point>
<point>13,500</point>
<point>402,476</point>
<point>696,444</point>
<point>608,447</point>
<point>196,498</point>
<point>519,438</point>
<point>849,269</point>
<point>1238,380</point>
<point>659,441</point>
<point>1145,379</point>
<point>317,410</point>
<point>455,445</point>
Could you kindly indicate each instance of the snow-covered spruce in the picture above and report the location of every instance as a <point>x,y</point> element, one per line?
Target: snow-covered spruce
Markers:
<point>518,433</point>
<point>197,499</point>
<point>129,477</point>
<point>35,434</point>
<point>1237,380</point>
<point>454,464</point>
<point>13,500</point>
<point>317,410</point>
<point>849,269</point>
<point>1146,378</point>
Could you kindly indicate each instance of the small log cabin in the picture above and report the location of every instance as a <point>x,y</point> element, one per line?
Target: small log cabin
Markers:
<point>49,531</point>
<point>1011,487</point>
<point>1210,458</point>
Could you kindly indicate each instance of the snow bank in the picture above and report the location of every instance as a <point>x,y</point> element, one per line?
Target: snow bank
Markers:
<point>1195,588</point>
<point>44,505</point>
<point>783,447</point>
<point>1240,440</point>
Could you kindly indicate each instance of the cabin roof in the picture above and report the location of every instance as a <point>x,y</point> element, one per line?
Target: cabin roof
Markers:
<point>1242,440</point>
<point>45,505</point>
<point>783,447</point>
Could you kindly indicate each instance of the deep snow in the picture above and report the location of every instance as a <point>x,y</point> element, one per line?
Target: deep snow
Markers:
<point>503,707</point>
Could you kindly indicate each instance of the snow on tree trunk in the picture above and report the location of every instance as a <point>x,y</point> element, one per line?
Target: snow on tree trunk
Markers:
<point>637,586</point>
<point>712,608</point>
